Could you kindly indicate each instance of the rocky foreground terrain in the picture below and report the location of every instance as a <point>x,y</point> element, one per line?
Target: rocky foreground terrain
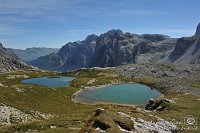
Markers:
<point>176,82</point>
<point>101,120</point>
<point>10,115</point>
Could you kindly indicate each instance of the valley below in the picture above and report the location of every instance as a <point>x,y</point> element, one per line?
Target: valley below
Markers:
<point>29,108</point>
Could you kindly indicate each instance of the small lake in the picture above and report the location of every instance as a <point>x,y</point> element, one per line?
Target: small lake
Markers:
<point>132,94</point>
<point>49,81</point>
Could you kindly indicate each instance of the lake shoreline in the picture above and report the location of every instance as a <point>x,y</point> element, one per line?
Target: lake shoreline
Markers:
<point>49,81</point>
<point>76,98</point>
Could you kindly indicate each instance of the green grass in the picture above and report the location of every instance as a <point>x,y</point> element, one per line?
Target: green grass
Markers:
<point>73,115</point>
<point>39,98</point>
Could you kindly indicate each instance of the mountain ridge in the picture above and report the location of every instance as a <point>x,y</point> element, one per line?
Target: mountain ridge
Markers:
<point>112,48</point>
<point>116,47</point>
<point>33,53</point>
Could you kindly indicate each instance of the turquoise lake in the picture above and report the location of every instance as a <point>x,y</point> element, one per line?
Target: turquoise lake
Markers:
<point>49,81</point>
<point>120,94</point>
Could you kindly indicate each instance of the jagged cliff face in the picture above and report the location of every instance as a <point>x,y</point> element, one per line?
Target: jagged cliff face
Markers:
<point>198,30</point>
<point>8,61</point>
<point>116,48</point>
<point>78,54</point>
<point>187,50</point>
<point>109,49</point>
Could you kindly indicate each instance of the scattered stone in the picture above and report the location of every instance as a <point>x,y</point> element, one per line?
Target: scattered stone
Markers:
<point>198,99</point>
<point>52,126</point>
<point>9,115</point>
<point>17,76</point>
<point>19,89</point>
<point>165,74</point>
<point>142,126</point>
<point>124,125</point>
<point>170,77</point>
<point>90,82</point>
<point>99,129</point>
<point>32,131</point>
<point>1,84</point>
<point>121,129</point>
<point>169,100</point>
<point>74,128</point>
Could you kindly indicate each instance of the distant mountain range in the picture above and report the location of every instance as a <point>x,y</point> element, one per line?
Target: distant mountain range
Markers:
<point>30,54</point>
<point>110,49</point>
<point>9,61</point>
<point>116,48</point>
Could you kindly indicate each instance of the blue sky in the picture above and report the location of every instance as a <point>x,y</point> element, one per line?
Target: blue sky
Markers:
<point>53,23</point>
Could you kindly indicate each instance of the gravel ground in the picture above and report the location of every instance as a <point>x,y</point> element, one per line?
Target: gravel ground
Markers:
<point>177,78</point>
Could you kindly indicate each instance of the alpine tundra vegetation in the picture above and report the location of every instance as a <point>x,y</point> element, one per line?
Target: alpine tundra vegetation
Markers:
<point>142,76</point>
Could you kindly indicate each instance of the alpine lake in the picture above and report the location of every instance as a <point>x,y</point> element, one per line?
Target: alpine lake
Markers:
<point>137,94</point>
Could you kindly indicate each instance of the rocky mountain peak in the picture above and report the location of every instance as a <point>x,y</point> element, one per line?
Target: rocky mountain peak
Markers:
<point>155,37</point>
<point>91,38</point>
<point>114,31</point>
<point>198,30</point>
<point>110,49</point>
<point>111,33</point>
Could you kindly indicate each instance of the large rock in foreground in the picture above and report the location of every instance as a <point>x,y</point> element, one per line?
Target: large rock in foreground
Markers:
<point>119,122</point>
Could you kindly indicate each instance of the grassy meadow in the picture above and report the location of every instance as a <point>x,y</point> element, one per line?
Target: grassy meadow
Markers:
<point>70,116</point>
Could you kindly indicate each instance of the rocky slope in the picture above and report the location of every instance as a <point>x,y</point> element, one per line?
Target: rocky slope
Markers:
<point>30,54</point>
<point>187,50</point>
<point>176,78</point>
<point>107,50</point>
<point>9,115</point>
<point>9,61</point>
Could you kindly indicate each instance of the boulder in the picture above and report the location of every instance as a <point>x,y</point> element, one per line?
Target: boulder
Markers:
<point>158,105</point>
<point>100,124</point>
<point>1,84</point>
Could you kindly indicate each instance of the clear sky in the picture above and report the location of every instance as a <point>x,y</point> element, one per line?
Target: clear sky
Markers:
<point>53,23</point>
